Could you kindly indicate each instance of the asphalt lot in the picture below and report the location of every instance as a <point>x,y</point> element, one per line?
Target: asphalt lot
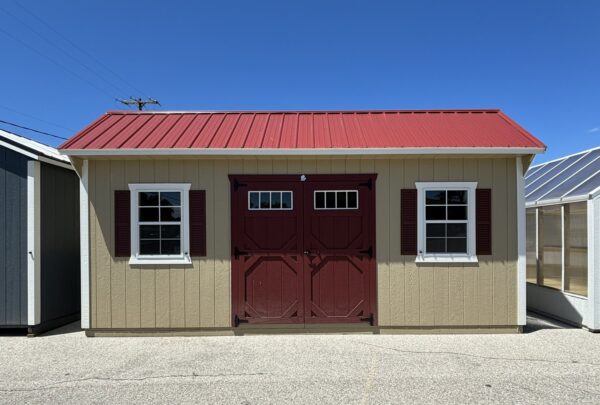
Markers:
<point>548,363</point>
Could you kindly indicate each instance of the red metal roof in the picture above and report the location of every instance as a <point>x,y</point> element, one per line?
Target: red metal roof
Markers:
<point>311,130</point>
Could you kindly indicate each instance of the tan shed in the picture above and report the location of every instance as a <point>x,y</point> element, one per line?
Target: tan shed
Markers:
<point>241,222</point>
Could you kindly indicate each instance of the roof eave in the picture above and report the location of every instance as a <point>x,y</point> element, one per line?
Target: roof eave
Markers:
<point>304,152</point>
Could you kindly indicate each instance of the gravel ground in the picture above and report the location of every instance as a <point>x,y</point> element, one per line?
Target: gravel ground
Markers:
<point>548,363</point>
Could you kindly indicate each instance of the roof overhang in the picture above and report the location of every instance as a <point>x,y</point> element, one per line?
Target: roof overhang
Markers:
<point>33,155</point>
<point>565,200</point>
<point>300,152</point>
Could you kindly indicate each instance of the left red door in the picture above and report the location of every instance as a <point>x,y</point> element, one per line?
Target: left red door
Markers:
<point>267,262</point>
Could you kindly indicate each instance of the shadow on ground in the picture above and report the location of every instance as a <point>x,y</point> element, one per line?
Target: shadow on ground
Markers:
<point>536,322</point>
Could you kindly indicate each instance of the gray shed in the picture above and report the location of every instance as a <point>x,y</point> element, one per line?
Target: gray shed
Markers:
<point>563,235</point>
<point>39,236</point>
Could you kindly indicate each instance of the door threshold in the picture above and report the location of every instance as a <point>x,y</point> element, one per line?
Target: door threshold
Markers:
<point>261,329</point>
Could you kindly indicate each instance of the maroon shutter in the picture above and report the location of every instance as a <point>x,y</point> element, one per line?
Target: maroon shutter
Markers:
<point>408,222</point>
<point>122,223</point>
<point>197,223</point>
<point>483,231</point>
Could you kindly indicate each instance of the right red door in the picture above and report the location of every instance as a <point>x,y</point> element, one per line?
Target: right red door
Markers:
<point>339,249</point>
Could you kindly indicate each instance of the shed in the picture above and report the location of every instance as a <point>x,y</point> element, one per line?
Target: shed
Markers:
<point>252,221</point>
<point>39,236</point>
<point>563,232</point>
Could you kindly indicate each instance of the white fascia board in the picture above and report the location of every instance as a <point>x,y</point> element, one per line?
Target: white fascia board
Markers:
<point>33,243</point>
<point>84,236</point>
<point>555,201</point>
<point>299,152</point>
<point>41,158</point>
<point>593,228</point>
<point>521,246</point>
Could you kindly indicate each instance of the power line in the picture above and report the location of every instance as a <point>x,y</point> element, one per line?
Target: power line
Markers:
<point>83,51</point>
<point>8,34</point>
<point>36,118</point>
<point>33,130</point>
<point>138,102</point>
<point>62,50</point>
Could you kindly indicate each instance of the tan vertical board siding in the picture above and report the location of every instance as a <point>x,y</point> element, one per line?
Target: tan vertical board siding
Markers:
<point>133,274</point>
<point>382,251</point>
<point>147,273</point>
<point>191,274</point>
<point>397,273</point>
<point>412,293</point>
<point>207,264</point>
<point>485,287</point>
<point>470,273</point>
<point>199,295</point>
<point>118,282</point>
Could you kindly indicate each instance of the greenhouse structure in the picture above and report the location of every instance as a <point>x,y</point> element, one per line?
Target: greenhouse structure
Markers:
<point>563,234</point>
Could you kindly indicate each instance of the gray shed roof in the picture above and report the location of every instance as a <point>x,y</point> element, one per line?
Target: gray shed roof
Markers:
<point>570,178</point>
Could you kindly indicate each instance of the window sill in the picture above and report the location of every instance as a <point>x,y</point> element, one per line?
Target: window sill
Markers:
<point>160,260</point>
<point>446,259</point>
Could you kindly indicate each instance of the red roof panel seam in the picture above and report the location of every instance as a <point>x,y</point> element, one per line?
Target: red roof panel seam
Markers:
<point>119,132</point>
<point>199,132</point>
<point>132,134</point>
<point>86,144</point>
<point>210,141</point>
<point>248,131</point>
<point>280,131</point>
<point>233,127</point>
<point>262,140</point>
<point>132,137</point>
<point>185,129</point>
<point>166,133</point>
<point>78,135</point>
<point>529,136</point>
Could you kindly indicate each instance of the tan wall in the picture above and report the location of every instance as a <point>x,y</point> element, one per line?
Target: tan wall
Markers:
<point>124,296</point>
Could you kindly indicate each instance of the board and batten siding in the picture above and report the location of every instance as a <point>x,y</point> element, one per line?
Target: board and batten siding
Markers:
<point>13,238</point>
<point>199,295</point>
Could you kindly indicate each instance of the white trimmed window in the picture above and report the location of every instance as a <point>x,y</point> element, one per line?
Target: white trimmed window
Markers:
<point>159,224</point>
<point>446,222</point>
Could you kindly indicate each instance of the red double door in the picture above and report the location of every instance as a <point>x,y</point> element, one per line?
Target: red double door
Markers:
<point>303,249</point>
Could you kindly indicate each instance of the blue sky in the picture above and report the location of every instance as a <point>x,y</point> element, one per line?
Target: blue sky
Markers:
<point>539,61</point>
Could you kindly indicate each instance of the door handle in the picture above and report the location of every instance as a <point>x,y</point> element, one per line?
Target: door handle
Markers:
<point>307,252</point>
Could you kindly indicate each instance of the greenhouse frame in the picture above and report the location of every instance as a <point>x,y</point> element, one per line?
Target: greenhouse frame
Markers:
<point>563,231</point>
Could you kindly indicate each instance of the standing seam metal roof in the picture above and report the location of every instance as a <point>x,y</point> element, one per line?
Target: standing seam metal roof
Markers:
<point>302,130</point>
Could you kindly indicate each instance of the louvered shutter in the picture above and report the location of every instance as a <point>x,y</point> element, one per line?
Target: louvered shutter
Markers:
<point>483,227</point>
<point>122,223</point>
<point>197,223</point>
<point>408,222</point>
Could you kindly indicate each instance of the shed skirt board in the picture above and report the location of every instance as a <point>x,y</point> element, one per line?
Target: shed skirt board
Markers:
<point>303,265</point>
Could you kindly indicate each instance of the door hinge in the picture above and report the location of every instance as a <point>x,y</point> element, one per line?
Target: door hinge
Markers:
<point>237,253</point>
<point>370,319</point>
<point>368,183</point>
<point>368,252</point>
<point>237,321</point>
<point>237,184</point>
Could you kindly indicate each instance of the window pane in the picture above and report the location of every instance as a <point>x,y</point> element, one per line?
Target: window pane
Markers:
<point>551,249</point>
<point>253,200</point>
<point>148,215</point>
<point>170,247</point>
<point>436,230</point>
<point>576,249</point>
<point>458,212</point>
<point>148,199</point>
<point>341,199</point>
<point>531,243</point>
<point>169,199</point>
<point>330,199</point>
<point>353,199</point>
<point>286,200</point>
<point>435,213</point>
<point>275,200</point>
<point>170,231</point>
<point>435,197</point>
<point>170,214</point>
<point>319,199</point>
<point>149,247</point>
<point>436,245</point>
<point>149,231</point>
<point>265,201</point>
<point>457,245</point>
<point>457,230</point>
<point>457,196</point>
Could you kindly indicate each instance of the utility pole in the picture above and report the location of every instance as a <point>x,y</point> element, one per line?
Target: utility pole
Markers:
<point>138,101</point>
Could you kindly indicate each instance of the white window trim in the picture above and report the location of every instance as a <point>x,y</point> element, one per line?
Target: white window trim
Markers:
<point>270,192</point>
<point>184,257</point>
<point>336,207</point>
<point>423,257</point>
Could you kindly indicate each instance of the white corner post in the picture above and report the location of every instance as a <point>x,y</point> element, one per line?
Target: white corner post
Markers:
<point>521,246</point>
<point>33,243</point>
<point>84,230</point>
<point>593,227</point>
